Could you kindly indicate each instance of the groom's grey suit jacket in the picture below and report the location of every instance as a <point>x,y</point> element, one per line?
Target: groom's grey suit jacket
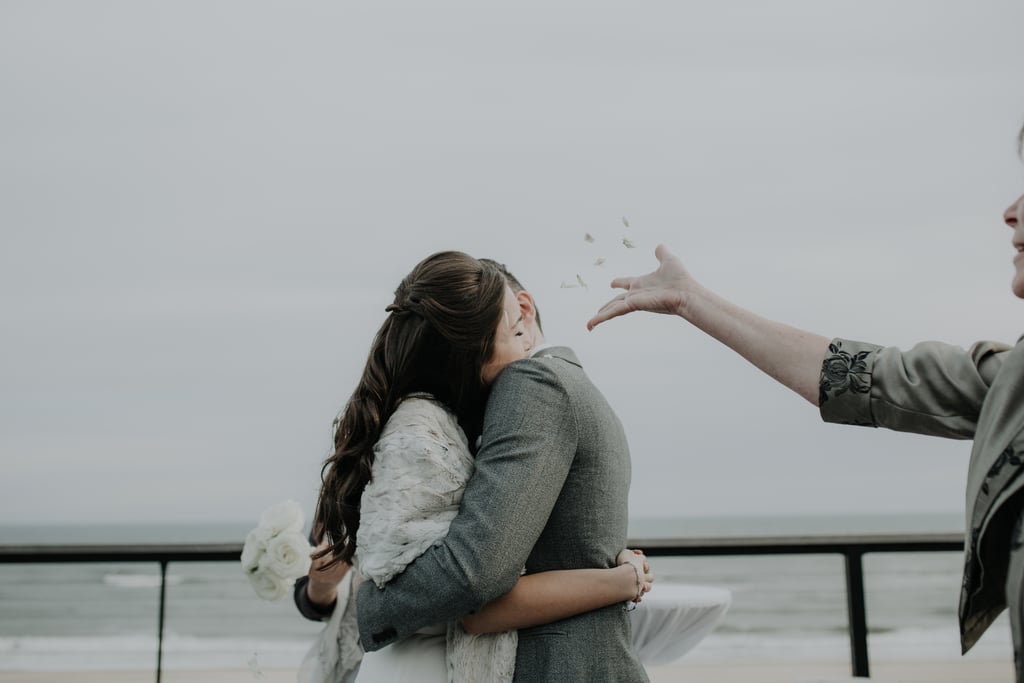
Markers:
<point>549,492</point>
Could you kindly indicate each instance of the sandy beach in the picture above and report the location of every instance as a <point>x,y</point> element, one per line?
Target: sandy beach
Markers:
<point>703,671</point>
<point>805,671</point>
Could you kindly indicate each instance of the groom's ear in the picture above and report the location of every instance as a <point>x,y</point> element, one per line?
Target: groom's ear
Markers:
<point>526,307</point>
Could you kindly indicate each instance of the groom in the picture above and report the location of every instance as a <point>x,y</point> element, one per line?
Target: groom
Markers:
<point>549,492</point>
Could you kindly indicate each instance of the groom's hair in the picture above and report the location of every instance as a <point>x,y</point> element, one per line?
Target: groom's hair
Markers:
<point>514,283</point>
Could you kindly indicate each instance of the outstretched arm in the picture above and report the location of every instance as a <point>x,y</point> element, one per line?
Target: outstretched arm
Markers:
<point>550,596</point>
<point>787,354</point>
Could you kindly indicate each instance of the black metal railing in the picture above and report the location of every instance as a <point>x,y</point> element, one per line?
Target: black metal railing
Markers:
<point>160,554</point>
<point>851,547</point>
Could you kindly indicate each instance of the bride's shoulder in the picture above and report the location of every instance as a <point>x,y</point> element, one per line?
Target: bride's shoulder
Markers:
<point>422,412</point>
<point>423,405</point>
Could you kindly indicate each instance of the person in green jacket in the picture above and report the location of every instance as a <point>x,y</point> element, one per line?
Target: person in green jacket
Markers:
<point>933,388</point>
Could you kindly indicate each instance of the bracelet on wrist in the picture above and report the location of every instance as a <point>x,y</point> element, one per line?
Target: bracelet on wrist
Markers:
<point>631,604</point>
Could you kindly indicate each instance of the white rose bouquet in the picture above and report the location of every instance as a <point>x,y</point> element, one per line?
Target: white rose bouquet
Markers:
<point>276,552</point>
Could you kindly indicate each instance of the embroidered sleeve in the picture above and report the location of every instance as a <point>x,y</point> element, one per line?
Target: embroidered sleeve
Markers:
<point>845,385</point>
<point>933,388</point>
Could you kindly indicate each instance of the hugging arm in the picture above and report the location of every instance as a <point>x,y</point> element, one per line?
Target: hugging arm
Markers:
<point>530,445</point>
<point>550,596</point>
<point>789,355</point>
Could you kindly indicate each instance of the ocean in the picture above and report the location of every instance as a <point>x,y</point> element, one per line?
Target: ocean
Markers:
<point>103,616</point>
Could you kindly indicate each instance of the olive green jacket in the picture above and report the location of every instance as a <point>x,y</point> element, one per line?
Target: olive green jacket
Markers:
<point>943,390</point>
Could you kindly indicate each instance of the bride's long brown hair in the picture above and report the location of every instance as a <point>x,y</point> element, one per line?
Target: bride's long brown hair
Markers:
<point>438,333</point>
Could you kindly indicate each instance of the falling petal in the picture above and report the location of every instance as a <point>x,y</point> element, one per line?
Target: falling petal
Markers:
<point>587,237</point>
<point>254,666</point>
<point>568,285</point>
<point>599,262</point>
<point>628,243</point>
<point>625,221</point>
<point>582,283</point>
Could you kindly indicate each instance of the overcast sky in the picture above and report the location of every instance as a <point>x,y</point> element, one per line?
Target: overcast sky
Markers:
<point>205,208</point>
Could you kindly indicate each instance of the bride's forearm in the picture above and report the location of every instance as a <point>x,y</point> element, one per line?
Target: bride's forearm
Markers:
<point>549,596</point>
<point>323,596</point>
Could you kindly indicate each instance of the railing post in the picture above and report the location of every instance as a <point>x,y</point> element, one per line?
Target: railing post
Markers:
<point>160,621</point>
<point>857,612</point>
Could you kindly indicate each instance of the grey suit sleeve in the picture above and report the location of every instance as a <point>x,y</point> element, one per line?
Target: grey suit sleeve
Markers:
<point>530,442</point>
<point>934,388</point>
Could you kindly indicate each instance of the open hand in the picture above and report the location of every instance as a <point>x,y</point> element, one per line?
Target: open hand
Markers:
<point>639,562</point>
<point>663,291</point>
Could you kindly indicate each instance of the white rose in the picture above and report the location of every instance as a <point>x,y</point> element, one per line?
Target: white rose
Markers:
<point>269,585</point>
<point>286,516</point>
<point>254,548</point>
<point>288,555</point>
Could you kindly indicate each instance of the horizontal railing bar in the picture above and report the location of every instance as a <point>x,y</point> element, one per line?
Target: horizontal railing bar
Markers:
<point>659,546</point>
<point>805,545</point>
<point>171,552</point>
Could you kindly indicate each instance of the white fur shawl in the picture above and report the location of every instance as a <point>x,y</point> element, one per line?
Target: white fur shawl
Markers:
<point>421,466</point>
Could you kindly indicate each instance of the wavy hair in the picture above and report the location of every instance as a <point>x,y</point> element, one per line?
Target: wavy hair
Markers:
<point>438,333</point>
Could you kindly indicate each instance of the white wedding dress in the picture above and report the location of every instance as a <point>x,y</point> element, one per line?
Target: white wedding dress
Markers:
<point>421,466</point>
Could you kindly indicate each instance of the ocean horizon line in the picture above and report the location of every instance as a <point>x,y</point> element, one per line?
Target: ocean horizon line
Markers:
<point>226,531</point>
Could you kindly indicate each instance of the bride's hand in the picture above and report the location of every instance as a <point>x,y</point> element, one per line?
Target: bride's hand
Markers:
<point>642,567</point>
<point>663,291</point>
<point>322,588</point>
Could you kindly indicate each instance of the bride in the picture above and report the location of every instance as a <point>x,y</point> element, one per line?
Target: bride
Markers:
<point>403,454</point>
